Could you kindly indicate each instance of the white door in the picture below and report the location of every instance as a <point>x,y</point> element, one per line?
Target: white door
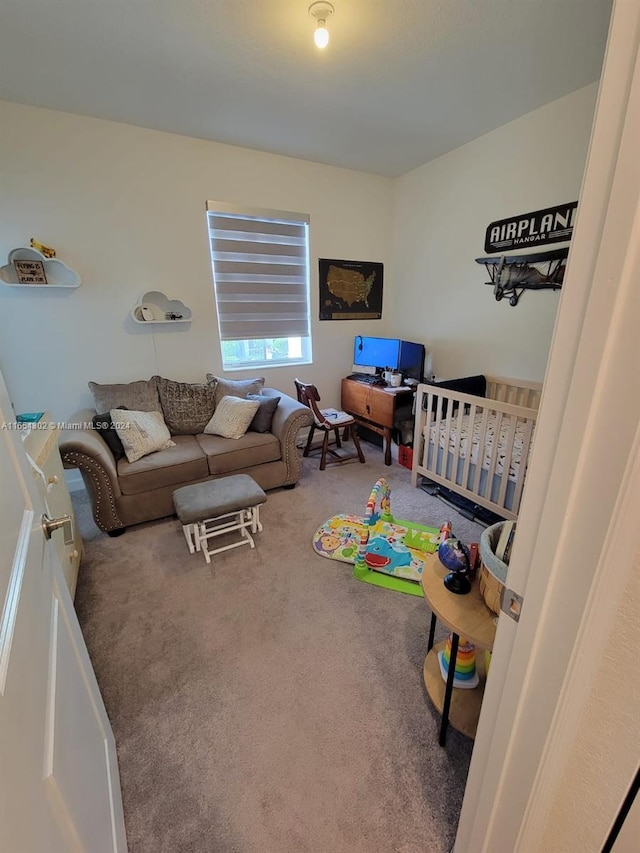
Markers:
<point>59,782</point>
<point>578,525</point>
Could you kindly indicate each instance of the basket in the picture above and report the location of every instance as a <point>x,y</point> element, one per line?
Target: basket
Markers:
<point>493,571</point>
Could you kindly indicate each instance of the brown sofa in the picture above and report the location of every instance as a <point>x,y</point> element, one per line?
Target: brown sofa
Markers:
<point>123,493</point>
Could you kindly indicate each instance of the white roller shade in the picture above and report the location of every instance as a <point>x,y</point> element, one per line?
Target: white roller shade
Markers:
<point>260,273</point>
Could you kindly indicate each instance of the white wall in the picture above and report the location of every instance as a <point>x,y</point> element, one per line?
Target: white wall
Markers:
<point>125,207</point>
<point>441,214</point>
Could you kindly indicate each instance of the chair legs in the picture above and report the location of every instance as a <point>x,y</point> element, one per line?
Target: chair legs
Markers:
<point>350,430</point>
<point>312,429</point>
<point>325,449</point>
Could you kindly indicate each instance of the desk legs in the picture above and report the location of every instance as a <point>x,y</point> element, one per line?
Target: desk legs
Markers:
<point>387,446</point>
<point>385,432</point>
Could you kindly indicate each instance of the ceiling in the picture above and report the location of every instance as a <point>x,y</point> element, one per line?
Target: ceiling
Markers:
<point>401,82</point>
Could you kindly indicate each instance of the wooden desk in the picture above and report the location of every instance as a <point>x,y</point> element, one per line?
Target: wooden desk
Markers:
<point>374,407</point>
<point>465,616</point>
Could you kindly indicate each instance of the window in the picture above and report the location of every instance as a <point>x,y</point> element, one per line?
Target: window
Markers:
<point>260,262</point>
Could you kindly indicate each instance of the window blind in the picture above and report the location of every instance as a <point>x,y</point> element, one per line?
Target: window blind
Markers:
<point>259,272</point>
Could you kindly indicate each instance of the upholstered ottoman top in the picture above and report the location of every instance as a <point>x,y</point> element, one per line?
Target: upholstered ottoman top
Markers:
<point>217,497</point>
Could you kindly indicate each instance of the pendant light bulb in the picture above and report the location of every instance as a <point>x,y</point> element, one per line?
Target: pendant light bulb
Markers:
<point>321,10</point>
<point>321,35</point>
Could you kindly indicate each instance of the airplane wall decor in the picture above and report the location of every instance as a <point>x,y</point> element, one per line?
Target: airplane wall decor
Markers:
<point>511,275</point>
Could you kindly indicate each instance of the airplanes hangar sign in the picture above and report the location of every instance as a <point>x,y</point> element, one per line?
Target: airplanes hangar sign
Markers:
<point>551,225</point>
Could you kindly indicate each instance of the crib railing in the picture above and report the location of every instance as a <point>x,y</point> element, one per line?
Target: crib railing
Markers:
<point>520,392</point>
<point>441,412</point>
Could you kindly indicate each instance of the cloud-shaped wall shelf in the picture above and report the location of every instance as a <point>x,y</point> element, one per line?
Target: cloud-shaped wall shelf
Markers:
<point>57,273</point>
<point>155,307</point>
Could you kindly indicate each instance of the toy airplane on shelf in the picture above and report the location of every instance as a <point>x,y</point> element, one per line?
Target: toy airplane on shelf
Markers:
<point>511,275</point>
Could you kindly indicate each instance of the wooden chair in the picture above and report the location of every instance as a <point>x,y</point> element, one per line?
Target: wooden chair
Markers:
<point>328,421</point>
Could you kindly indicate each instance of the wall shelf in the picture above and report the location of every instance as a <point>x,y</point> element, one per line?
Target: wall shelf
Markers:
<point>58,274</point>
<point>160,308</point>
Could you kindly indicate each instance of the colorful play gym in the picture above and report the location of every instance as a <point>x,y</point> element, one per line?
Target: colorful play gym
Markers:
<point>385,551</point>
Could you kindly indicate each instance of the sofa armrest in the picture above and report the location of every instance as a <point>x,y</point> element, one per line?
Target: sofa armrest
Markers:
<point>85,449</point>
<point>289,418</point>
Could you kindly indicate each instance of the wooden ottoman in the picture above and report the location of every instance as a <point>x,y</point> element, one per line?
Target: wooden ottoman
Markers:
<point>219,506</point>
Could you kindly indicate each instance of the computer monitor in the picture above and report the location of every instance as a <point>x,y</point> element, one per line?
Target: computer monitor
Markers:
<point>411,360</point>
<point>379,353</point>
<point>389,354</point>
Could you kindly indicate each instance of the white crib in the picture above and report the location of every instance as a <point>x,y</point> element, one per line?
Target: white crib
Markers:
<point>475,446</point>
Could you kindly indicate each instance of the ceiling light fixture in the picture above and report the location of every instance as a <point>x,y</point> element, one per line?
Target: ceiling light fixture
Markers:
<point>320,10</point>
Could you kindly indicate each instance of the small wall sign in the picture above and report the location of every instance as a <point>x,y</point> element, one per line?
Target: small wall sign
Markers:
<point>550,225</point>
<point>30,272</point>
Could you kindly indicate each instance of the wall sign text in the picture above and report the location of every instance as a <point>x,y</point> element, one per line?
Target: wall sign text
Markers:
<point>551,225</point>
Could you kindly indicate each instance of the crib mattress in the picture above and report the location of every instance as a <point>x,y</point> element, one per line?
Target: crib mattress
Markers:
<point>474,429</point>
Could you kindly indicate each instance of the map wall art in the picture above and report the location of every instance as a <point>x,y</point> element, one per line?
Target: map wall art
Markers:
<point>350,290</point>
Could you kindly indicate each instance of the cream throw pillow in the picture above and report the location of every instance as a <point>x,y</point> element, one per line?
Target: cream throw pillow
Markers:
<point>232,417</point>
<point>141,433</point>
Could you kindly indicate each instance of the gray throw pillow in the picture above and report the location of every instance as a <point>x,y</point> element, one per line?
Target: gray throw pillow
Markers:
<point>262,419</point>
<point>104,425</point>
<point>235,387</point>
<point>139,396</point>
<point>187,406</point>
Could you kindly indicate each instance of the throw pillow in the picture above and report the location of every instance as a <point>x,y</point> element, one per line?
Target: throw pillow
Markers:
<point>232,417</point>
<point>141,433</point>
<point>262,419</point>
<point>103,424</point>
<point>187,406</point>
<point>139,396</point>
<point>235,388</point>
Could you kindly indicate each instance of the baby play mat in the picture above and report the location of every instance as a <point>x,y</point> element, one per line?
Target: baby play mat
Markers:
<point>385,551</point>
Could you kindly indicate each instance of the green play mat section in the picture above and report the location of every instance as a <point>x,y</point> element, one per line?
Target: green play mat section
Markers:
<point>385,551</point>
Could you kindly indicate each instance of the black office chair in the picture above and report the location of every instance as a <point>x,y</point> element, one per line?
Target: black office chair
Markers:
<point>328,421</point>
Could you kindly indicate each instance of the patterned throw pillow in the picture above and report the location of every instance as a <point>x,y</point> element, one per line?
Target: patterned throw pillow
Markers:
<point>235,388</point>
<point>262,419</point>
<point>187,406</point>
<point>232,417</point>
<point>139,396</point>
<point>141,433</point>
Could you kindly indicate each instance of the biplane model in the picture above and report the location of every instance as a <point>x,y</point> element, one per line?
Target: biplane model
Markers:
<point>511,275</point>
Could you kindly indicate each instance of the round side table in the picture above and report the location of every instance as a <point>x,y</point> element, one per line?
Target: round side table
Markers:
<point>465,616</point>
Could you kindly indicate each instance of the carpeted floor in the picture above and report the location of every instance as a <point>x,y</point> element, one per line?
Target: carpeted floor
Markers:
<point>270,702</point>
